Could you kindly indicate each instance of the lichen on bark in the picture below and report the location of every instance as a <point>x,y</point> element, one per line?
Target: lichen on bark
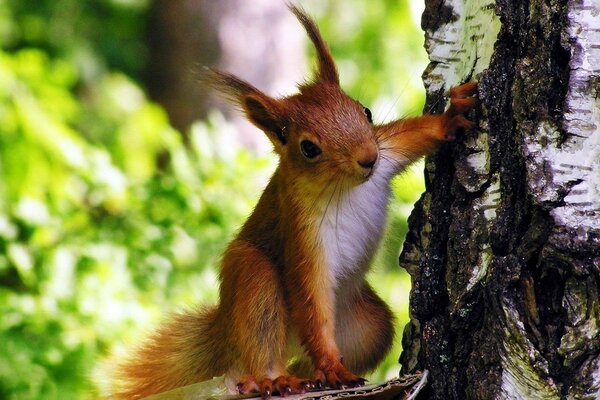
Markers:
<point>504,246</point>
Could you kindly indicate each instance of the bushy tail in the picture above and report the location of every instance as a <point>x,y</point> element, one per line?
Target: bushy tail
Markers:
<point>189,348</point>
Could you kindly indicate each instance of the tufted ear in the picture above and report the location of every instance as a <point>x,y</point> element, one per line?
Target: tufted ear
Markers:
<point>327,72</point>
<point>260,109</point>
<point>265,113</point>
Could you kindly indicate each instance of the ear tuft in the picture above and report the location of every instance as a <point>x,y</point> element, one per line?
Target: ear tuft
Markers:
<point>232,87</point>
<point>327,71</point>
<point>260,109</point>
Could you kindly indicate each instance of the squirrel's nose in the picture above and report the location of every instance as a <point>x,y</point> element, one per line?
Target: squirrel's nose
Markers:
<point>368,163</point>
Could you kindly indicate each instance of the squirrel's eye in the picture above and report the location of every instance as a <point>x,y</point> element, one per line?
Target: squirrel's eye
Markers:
<point>309,149</point>
<point>368,114</point>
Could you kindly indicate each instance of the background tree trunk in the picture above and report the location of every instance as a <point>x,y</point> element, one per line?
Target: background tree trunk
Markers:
<point>504,246</point>
<point>228,34</point>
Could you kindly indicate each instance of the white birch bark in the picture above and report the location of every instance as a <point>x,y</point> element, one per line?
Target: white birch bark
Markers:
<point>504,247</point>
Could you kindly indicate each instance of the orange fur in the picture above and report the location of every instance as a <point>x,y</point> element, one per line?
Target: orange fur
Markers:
<point>293,273</point>
<point>151,370</point>
<point>413,138</point>
<point>364,328</point>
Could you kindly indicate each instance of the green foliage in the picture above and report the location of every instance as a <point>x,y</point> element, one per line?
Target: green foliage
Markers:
<point>94,235</point>
<point>93,35</point>
<point>106,218</point>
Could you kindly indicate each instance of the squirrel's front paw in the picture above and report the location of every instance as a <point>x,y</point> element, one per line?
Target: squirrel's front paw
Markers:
<point>336,376</point>
<point>462,100</point>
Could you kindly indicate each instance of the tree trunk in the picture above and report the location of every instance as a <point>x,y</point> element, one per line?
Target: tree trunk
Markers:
<point>258,40</point>
<point>182,34</point>
<point>504,246</point>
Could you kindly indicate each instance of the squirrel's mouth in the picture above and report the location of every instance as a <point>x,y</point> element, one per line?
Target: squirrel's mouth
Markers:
<point>367,175</point>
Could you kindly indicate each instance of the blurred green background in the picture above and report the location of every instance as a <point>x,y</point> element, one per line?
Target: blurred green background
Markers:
<point>110,216</point>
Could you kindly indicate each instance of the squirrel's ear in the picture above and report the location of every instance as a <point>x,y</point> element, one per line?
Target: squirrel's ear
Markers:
<point>327,71</point>
<point>265,113</point>
<point>260,109</point>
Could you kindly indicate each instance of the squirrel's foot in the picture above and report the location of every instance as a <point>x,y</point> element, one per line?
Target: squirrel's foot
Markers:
<point>336,376</point>
<point>282,386</point>
<point>462,100</point>
<point>247,384</point>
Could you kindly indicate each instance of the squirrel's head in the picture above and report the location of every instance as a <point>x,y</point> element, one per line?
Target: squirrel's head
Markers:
<point>319,133</point>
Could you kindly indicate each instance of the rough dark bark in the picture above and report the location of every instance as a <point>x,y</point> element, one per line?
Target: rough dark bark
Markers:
<point>504,246</point>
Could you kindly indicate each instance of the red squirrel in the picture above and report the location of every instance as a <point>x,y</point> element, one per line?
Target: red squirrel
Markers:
<point>295,310</point>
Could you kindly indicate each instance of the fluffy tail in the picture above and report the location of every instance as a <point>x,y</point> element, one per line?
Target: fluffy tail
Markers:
<point>189,348</point>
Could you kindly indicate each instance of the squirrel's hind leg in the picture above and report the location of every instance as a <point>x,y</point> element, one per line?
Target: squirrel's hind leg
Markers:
<point>259,323</point>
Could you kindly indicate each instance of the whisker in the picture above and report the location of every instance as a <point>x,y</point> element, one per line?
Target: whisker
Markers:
<point>391,107</point>
<point>352,209</point>
<point>386,136</point>
<point>388,133</point>
<point>329,203</point>
<point>318,198</point>
<point>337,213</point>
<point>437,101</point>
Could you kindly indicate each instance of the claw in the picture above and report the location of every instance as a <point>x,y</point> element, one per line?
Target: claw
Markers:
<point>358,382</point>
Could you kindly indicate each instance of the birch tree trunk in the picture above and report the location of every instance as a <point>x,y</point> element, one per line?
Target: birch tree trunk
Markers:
<point>504,246</point>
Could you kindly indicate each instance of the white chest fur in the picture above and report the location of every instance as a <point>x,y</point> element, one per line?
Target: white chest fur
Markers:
<point>353,224</point>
